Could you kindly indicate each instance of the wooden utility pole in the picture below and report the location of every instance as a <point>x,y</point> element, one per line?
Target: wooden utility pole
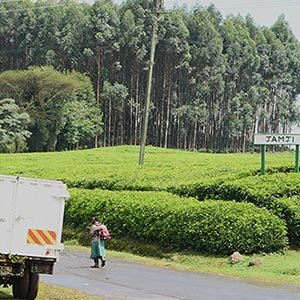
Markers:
<point>158,5</point>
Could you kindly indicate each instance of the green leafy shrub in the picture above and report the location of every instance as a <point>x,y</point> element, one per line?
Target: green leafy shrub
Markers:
<point>217,227</point>
<point>201,190</point>
<point>260,190</point>
<point>289,210</point>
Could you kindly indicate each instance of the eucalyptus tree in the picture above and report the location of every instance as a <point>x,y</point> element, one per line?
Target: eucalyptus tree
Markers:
<point>15,34</point>
<point>136,21</point>
<point>206,78</point>
<point>185,117</point>
<point>277,79</point>
<point>241,73</point>
<point>115,96</point>
<point>287,87</point>
<point>102,40</point>
<point>70,36</point>
<point>44,29</point>
<point>103,29</point>
<point>172,66</point>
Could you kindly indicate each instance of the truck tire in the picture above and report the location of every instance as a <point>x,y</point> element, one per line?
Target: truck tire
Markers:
<point>20,286</point>
<point>33,286</point>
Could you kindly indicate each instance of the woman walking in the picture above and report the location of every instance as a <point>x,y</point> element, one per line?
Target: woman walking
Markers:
<point>99,234</point>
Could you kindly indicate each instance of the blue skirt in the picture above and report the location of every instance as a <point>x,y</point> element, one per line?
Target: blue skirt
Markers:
<point>102,248</point>
<point>98,249</point>
<point>95,251</point>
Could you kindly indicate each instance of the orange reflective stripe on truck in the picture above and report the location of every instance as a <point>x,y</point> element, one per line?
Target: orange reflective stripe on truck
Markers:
<point>41,237</point>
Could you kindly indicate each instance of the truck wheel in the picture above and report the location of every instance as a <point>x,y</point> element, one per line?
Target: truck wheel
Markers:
<point>20,286</point>
<point>33,286</point>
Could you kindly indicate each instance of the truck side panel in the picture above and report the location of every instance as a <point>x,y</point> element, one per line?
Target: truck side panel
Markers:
<point>36,209</point>
<point>7,190</point>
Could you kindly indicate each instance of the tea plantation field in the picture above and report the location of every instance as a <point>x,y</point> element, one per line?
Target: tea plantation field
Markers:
<point>212,203</point>
<point>117,167</point>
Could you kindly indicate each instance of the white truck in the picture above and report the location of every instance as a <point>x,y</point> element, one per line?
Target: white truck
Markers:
<point>31,220</point>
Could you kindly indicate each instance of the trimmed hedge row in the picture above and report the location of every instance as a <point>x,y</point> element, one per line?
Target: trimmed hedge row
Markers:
<point>289,210</point>
<point>201,191</point>
<point>260,190</point>
<point>217,227</point>
<point>204,187</point>
<point>111,184</point>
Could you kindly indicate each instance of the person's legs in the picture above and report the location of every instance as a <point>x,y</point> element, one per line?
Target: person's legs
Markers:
<point>96,265</point>
<point>103,261</point>
<point>102,253</point>
<point>95,254</point>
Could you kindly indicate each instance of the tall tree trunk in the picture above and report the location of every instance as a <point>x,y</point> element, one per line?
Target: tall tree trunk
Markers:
<point>109,133</point>
<point>168,109</point>
<point>244,141</point>
<point>98,62</point>
<point>178,133</point>
<point>162,120</point>
<point>157,128</point>
<point>195,134</point>
<point>122,121</point>
<point>137,105</point>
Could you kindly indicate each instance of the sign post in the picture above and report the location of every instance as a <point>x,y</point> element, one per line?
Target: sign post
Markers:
<point>263,159</point>
<point>297,159</point>
<point>276,139</point>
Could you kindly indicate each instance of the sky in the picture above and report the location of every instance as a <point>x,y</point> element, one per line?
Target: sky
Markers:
<point>264,12</point>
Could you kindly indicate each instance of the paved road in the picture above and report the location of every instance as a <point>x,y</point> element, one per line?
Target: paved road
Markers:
<point>122,280</point>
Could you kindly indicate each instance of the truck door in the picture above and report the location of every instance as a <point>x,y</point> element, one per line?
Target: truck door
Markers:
<point>38,218</point>
<point>7,191</point>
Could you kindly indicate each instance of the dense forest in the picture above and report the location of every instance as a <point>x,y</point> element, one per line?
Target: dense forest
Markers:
<point>216,82</point>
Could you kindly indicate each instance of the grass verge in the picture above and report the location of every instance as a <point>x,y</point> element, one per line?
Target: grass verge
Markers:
<point>51,292</point>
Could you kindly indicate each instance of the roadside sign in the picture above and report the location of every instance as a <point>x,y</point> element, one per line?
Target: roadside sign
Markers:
<point>277,139</point>
<point>265,139</point>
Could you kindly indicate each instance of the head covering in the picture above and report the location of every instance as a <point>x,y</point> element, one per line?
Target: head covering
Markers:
<point>95,219</point>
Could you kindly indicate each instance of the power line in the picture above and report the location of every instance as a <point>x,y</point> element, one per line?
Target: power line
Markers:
<point>58,5</point>
<point>254,4</point>
<point>10,1</point>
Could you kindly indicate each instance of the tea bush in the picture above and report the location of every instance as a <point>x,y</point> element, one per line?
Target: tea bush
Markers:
<point>289,210</point>
<point>116,168</point>
<point>217,227</point>
<point>260,190</point>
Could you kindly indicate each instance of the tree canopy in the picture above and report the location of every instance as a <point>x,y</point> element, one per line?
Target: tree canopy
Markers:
<point>56,103</point>
<point>13,127</point>
<point>217,81</point>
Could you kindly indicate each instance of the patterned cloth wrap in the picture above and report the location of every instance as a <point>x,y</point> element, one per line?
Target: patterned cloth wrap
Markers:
<point>98,246</point>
